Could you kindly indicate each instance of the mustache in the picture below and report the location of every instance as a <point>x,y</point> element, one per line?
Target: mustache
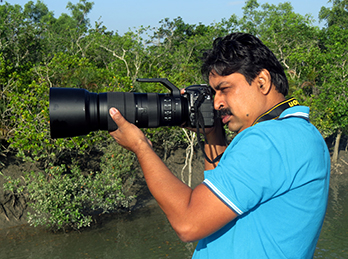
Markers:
<point>224,112</point>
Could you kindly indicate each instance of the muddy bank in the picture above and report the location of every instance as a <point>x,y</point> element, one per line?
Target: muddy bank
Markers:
<point>12,211</point>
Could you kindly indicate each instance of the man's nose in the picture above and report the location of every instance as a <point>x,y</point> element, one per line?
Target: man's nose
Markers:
<point>218,102</point>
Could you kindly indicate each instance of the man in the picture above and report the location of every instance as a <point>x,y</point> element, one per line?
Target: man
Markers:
<point>267,196</point>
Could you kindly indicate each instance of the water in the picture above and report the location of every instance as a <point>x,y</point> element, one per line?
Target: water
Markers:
<point>333,241</point>
<point>147,234</point>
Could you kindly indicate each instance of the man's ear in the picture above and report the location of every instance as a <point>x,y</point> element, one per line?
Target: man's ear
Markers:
<point>264,82</point>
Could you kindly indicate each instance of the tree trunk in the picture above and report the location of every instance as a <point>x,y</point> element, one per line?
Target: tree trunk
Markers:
<point>337,146</point>
<point>189,156</point>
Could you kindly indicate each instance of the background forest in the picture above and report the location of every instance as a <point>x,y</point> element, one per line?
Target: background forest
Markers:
<point>39,51</point>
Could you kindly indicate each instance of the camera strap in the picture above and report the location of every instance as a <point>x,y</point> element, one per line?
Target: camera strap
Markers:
<point>276,110</point>
<point>271,114</point>
<point>200,124</point>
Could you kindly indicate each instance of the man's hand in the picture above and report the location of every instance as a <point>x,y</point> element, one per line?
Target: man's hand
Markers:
<point>128,135</point>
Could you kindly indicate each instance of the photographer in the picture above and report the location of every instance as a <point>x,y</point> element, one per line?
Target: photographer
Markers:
<point>267,196</point>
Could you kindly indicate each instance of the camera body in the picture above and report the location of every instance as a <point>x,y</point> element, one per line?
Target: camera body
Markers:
<point>200,101</point>
<point>75,112</point>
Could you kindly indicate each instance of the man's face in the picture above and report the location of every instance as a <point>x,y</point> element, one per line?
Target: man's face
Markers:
<point>239,102</point>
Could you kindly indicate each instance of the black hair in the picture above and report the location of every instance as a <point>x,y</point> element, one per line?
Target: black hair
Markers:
<point>245,54</point>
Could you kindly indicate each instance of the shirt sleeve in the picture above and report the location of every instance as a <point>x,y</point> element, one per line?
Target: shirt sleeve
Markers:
<point>251,171</point>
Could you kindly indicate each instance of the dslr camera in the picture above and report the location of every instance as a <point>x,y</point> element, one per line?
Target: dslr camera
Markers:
<point>75,112</point>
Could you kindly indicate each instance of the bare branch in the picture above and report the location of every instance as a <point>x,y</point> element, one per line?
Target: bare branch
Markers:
<point>119,57</point>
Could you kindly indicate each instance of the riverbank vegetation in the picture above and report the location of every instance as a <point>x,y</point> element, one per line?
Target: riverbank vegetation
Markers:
<point>39,51</point>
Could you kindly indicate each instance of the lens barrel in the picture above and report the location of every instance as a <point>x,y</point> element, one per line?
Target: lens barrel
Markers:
<point>75,112</point>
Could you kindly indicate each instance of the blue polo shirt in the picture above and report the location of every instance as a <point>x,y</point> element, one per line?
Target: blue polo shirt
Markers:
<point>275,176</point>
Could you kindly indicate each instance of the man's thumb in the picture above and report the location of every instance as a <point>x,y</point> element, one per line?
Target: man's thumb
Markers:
<point>116,116</point>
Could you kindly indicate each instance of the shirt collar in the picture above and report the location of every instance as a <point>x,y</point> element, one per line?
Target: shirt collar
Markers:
<point>296,111</point>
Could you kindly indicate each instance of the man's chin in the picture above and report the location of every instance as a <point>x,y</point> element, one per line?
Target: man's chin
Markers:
<point>233,127</point>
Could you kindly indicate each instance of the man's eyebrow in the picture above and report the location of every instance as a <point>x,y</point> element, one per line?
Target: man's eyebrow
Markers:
<point>218,87</point>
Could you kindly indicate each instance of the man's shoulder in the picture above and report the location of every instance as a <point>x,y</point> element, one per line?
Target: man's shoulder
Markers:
<point>292,124</point>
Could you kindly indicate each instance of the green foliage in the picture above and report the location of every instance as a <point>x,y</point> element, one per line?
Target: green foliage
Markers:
<point>336,15</point>
<point>14,186</point>
<point>333,97</point>
<point>57,201</point>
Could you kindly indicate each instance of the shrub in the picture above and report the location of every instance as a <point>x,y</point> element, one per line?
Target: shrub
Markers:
<point>64,197</point>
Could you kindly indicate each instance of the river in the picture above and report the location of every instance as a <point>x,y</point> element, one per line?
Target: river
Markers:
<point>146,233</point>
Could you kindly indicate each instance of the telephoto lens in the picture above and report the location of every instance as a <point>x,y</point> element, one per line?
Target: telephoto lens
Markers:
<point>76,112</point>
